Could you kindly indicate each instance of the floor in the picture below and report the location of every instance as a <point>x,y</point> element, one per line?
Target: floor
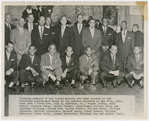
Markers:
<point>123,89</point>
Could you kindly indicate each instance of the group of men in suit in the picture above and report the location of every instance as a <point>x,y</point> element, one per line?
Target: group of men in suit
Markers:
<point>43,54</point>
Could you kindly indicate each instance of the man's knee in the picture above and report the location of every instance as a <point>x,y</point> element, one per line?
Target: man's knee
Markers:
<point>103,74</point>
<point>82,77</point>
<point>127,76</point>
<point>94,73</point>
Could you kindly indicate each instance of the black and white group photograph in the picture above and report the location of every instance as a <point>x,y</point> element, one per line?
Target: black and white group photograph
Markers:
<point>74,50</point>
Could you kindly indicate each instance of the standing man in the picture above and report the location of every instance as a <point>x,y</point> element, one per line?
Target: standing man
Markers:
<point>138,35</point>
<point>97,24</point>
<point>135,67</point>
<point>77,36</point>
<point>27,11</point>
<point>30,25</point>
<point>110,67</point>
<point>88,65</point>
<point>11,73</point>
<point>8,28</point>
<point>47,11</point>
<point>29,68</point>
<point>125,43</point>
<point>69,67</point>
<point>64,36</point>
<point>21,39</point>
<point>40,37</point>
<point>108,37</point>
<point>39,12</point>
<point>51,66</point>
<point>92,37</point>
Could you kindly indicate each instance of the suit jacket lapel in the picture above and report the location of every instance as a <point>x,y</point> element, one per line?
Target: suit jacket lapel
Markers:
<point>70,62</point>
<point>121,39</point>
<point>126,36</point>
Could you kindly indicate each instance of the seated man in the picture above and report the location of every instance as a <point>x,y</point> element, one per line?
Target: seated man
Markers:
<point>29,68</point>
<point>11,73</point>
<point>110,67</point>
<point>88,66</point>
<point>51,66</point>
<point>69,67</point>
<point>135,67</point>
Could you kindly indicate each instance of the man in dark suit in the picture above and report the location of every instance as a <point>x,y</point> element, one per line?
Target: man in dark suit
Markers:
<point>110,67</point>
<point>39,12</point>
<point>11,73</point>
<point>138,35</point>
<point>77,36</point>
<point>27,11</point>
<point>97,24</point>
<point>52,30</point>
<point>8,28</point>
<point>88,65</point>
<point>64,36</point>
<point>30,25</point>
<point>135,67</point>
<point>108,37</point>
<point>29,68</point>
<point>69,67</point>
<point>125,42</point>
<point>47,10</point>
<point>40,37</point>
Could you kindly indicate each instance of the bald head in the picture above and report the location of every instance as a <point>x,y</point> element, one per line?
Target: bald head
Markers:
<point>69,51</point>
<point>41,20</point>
<point>21,22</point>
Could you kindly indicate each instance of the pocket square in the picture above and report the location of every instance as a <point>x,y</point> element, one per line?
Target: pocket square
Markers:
<point>45,34</point>
<point>36,65</point>
<point>129,37</point>
<point>72,64</point>
<point>56,61</point>
<point>109,34</point>
<point>12,59</point>
<point>53,32</point>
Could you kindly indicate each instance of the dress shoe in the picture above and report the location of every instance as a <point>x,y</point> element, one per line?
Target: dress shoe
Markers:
<point>114,85</point>
<point>13,88</point>
<point>141,87</point>
<point>59,87</point>
<point>32,86</point>
<point>104,86</point>
<point>65,84</point>
<point>22,89</point>
<point>73,86</point>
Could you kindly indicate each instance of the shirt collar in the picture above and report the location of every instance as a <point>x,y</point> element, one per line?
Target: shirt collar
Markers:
<point>6,23</point>
<point>47,26</point>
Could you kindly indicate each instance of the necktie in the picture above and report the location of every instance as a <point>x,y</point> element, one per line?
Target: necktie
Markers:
<point>21,31</point>
<point>79,28</point>
<point>104,30</point>
<point>31,59</point>
<point>41,32</point>
<point>124,32</point>
<point>62,31</point>
<point>113,60</point>
<point>92,32</point>
<point>9,27</point>
<point>51,60</point>
<point>31,27</point>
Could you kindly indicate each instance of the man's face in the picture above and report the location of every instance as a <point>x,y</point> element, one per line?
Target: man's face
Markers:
<point>41,21</point>
<point>97,22</point>
<point>124,26</point>
<point>134,29</point>
<point>52,50</point>
<point>32,50</point>
<point>21,22</point>
<point>137,50</point>
<point>88,52</point>
<point>69,51</point>
<point>80,18</point>
<point>29,7</point>
<point>9,47</point>
<point>105,22</point>
<point>63,21</point>
<point>30,18</point>
<point>48,21</point>
<point>113,50</point>
<point>92,23</point>
<point>8,19</point>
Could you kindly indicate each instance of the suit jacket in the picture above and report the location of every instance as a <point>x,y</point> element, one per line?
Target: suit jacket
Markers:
<point>133,65</point>
<point>66,40</point>
<point>26,61</point>
<point>94,42</point>
<point>21,43</point>
<point>124,49</point>
<point>25,15</point>
<point>108,38</point>
<point>83,63</point>
<point>26,26</point>
<point>12,62</point>
<point>45,61</point>
<point>77,40</point>
<point>7,33</point>
<point>107,63</point>
<point>73,63</point>
<point>41,44</point>
<point>139,38</point>
<point>45,11</point>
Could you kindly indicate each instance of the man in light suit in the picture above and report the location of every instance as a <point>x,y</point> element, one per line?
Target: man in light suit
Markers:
<point>135,67</point>
<point>11,73</point>
<point>51,66</point>
<point>77,36</point>
<point>92,37</point>
<point>88,65</point>
<point>21,39</point>
<point>70,67</point>
<point>64,36</point>
<point>40,37</point>
<point>8,28</point>
<point>110,67</point>
<point>125,42</point>
<point>29,68</point>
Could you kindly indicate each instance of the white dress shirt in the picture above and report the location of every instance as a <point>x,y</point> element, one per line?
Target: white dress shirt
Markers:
<point>8,25</point>
<point>67,60</point>
<point>32,59</point>
<point>41,29</point>
<point>79,27</point>
<point>124,32</point>
<point>21,30</point>
<point>8,55</point>
<point>92,31</point>
<point>48,27</point>
<point>113,58</point>
<point>51,59</point>
<point>30,26</point>
<point>62,30</point>
<point>104,28</point>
